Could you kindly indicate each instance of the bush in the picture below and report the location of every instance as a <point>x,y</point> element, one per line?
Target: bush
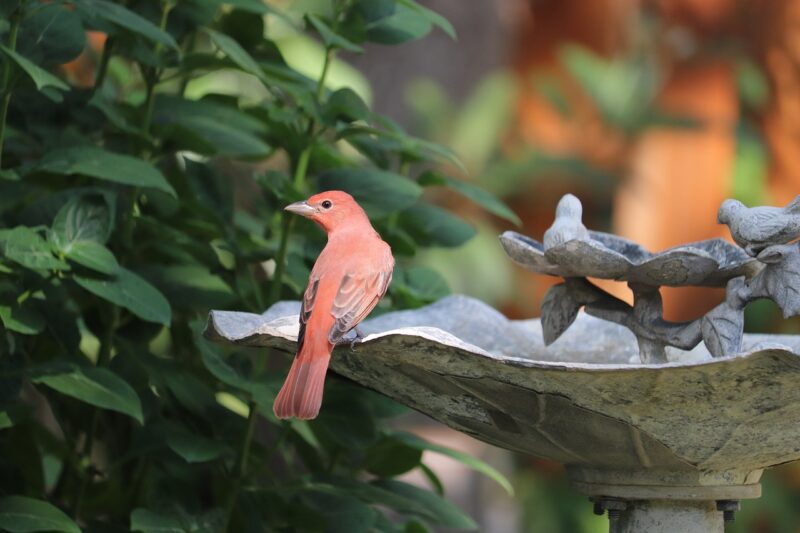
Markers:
<point>134,196</point>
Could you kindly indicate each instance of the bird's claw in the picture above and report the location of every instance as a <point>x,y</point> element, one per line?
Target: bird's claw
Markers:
<point>357,339</point>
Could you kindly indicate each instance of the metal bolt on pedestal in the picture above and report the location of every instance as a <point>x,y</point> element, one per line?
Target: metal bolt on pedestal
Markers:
<point>728,508</point>
<point>612,505</point>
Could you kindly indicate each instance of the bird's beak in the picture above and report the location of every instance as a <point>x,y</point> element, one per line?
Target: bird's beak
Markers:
<point>301,208</point>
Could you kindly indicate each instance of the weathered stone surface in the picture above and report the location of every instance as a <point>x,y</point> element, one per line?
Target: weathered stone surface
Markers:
<point>706,263</point>
<point>578,401</point>
<point>767,265</point>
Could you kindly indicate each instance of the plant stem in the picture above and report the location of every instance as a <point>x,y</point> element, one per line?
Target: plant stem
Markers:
<point>244,455</point>
<point>151,76</point>
<point>102,69</point>
<point>187,77</point>
<point>240,467</point>
<point>256,289</point>
<point>104,356</point>
<point>287,224</point>
<point>405,166</point>
<point>329,53</point>
<point>300,173</point>
<point>5,82</point>
<point>149,102</point>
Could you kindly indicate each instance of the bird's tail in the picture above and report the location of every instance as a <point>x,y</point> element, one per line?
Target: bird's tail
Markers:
<point>794,206</point>
<point>301,394</point>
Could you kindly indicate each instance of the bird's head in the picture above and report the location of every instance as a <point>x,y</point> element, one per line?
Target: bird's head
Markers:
<point>569,207</point>
<point>727,210</point>
<point>330,209</point>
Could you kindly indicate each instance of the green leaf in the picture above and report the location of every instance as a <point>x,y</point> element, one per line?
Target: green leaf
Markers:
<point>132,292</point>
<point>149,522</point>
<point>402,26</point>
<point>236,53</point>
<point>25,246</point>
<point>96,386</point>
<point>341,512</point>
<point>752,84</point>
<point>427,505</point>
<point>121,16</point>
<point>191,285</point>
<point>344,104</point>
<point>40,77</point>
<point>415,526</point>
<point>192,447</point>
<point>51,34</point>
<point>20,514</point>
<point>391,457</point>
<point>213,360</point>
<point>417,286</point>
<point>83,218</point>
<point>216,365</point>
<point>92,255</point>
<point>435,18</point>
<point>481,197</point>
<point>118,114</point>
<point>407,21</point>
<point>330,37</point>
<point>373,10</point>
<point>252,6</point>
<point>393,138</point>
<point>622,89</point>
<point>248,31</point>
<point>346,421</point>
<point>80,228</point>
<point>434,480</point>
<point>432,226</point>
<point>210,128</point>
<point>378,191</point>
<point>463,458</point>
<point>22,318</point>
<point>102,164</point>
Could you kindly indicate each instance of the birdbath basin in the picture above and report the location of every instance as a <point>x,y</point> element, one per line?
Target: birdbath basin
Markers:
<point>665,425</point>
<point>662,447</point>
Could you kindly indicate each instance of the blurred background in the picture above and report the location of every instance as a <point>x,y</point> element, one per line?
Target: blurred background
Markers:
<point>652,112</point>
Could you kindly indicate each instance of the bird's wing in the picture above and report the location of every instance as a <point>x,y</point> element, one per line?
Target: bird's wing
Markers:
<point>306,307</point>
<point>357,296</point>
<point>765,224</point>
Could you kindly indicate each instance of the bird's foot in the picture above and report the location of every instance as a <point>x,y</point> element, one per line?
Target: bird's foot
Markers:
<point>357,338</point>
<point>752,250</point>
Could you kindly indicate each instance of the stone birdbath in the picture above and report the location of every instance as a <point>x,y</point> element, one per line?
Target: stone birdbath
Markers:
<point>664,432</point>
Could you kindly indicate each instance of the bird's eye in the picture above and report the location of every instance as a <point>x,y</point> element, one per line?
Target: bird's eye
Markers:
<point>326,204</point>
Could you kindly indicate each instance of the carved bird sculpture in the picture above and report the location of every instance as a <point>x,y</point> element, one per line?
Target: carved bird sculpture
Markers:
<point>348,279</point>
<point>568,225</point>
<point>755,228</point>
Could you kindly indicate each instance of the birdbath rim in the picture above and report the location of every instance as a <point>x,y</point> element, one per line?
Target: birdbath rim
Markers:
<point>286,327</point>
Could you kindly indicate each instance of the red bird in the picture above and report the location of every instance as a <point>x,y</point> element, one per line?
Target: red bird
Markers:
<point>349,278</point>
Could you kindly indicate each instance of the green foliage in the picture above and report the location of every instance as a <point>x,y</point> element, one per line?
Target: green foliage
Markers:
<point>119,229</point>
<point>21,515</point>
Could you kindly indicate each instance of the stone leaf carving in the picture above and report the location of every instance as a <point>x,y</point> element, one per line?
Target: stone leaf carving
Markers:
<point>588,258</point>
<point>780,278</point>
<point>559,310</point>
<point>723,328</point>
